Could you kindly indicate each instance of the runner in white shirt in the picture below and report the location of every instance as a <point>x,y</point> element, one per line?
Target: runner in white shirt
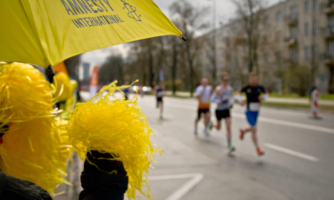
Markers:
<point>203,93</point>
<point>223,96</point>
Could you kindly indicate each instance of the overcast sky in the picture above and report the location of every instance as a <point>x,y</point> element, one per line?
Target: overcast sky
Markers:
<point>225,11</point>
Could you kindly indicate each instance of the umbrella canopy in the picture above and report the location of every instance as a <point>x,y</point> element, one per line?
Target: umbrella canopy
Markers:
<point>46,32</point>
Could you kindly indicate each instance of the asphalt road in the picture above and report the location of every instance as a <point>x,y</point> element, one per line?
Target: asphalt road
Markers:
<point>298,161</point>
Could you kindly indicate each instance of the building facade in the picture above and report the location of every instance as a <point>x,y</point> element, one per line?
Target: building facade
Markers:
<point>292,32</point>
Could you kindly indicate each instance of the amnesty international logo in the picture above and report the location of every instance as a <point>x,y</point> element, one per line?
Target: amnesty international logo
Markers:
<point>131,11</point>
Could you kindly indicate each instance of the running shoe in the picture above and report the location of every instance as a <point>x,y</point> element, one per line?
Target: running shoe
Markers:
<point>231,149</point>
<point>242,134</point>
<point>206,133</point>
<point>260,152</point>
<point>210,125</point>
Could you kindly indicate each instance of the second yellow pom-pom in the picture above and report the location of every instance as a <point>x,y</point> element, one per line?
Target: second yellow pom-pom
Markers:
<point>119,127</point>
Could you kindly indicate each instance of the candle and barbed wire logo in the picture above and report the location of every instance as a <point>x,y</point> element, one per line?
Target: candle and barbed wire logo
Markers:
<point>132,11</point>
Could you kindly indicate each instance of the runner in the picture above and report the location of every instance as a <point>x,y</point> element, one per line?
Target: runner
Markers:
<point>253,92</point>
<point>159,93</point>
<point>141,91</point>
<point>126,91</point>
<point>223,96</point>
<point>203,93</point>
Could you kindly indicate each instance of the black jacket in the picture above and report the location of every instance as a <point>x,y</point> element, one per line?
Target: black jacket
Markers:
<point>13,188</point>
<point>97,184</point>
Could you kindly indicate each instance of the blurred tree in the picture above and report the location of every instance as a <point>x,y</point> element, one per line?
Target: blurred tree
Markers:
<point>138,66</point>
<point>147,54</point>
<point>150,47</point>
<point>235,52</point>
<point>177,84</point>
<point>175,52</point>
<point>112,70</point>
<point>130,68</point>
<point>172,52</point>
<point>251,15</point>
<point>178,59</point>
<point>298,79</point>
<point>161,57</point>
<point>191,19</point>
<point>72,66</point>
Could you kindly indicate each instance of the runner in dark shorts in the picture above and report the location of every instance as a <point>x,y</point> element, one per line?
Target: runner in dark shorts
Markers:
<point>222,114</point>
<point>159,100</point>
<point>159,93</point>
<point>126,91</point>
<point>202,111</point>
<point>203,93</point>
<point>223,96</point>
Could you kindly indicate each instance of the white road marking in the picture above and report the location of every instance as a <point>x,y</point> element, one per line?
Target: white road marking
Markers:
<point>272,121</point>
<point>183,190</point>
<point>291,152</point>
<point>291,124</point>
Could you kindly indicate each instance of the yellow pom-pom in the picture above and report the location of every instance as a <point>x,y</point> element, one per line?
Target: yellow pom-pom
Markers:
<point>65,149</point>
<point>63,87</point>
<point>31,147</point>
<point>74,84</point>
<point>119,127</point>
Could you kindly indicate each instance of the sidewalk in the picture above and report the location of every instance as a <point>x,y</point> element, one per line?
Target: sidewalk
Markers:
<point>272,99</point>
<point>85,97</point>
<point>298,101</point>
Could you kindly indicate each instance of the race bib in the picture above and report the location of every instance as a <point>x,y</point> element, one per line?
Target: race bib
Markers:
<point>254,106</point>
<point>160,93</point>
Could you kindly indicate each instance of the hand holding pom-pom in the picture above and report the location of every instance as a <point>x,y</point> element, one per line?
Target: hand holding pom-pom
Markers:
<point>100,163</point>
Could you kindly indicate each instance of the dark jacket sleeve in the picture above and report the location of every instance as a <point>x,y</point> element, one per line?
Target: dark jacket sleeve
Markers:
<point>13,188</point>
<point>263,89</point>
<point>98,184</point>
<point>244,89</point>
<point>103,187</point>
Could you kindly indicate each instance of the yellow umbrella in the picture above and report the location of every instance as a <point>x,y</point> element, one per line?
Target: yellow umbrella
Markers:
<point>46,32</point>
